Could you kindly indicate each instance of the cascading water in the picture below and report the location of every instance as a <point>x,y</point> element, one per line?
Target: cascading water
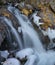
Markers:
<point>28,30</point>
<point>31,39</point>
<point>14,32</point>
<point>38,56</point>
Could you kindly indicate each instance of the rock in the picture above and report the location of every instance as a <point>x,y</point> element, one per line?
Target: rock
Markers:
<point>24,53</point>
<point>2,32</point>
<point>52,5</point>
<point>26,11</point>
<point>11,61</point>
<point>53,40</point>
<point>1,39</point>
<point>48,17</point>
<point>4,54</point>
<point>28,6</point>
<point>6,13</point>
<point>31,2</point>
<point>46,40</point>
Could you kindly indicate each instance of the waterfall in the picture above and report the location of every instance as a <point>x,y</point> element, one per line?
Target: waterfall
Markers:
<point>31,48</point>
<point>28,30</point>
<point>14,32</point>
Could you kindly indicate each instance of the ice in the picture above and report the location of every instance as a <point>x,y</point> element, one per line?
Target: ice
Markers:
<point>11,61</point>
<point>25,52</point>
<point>19,29</point>
<point>32,60</point>
<point>4,54</point>
<point>50,33</point>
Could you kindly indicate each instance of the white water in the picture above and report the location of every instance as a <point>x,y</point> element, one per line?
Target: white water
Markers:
<point>16,35</point>
<point>31,39</point>
<point>28,30</point>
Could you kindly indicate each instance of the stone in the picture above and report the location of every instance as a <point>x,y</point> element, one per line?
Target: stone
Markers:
<point>11,61</point>
<point>24,53</point>
<point>52,5</point>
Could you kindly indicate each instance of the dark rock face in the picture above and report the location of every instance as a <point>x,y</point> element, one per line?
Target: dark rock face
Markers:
<point>53,40</point>
<point>2,32</point>
<point>4,40</point>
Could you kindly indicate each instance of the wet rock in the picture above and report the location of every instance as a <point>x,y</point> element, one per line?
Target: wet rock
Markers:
<point>1,39</point>
<point>46,41</point>
<point>2,32</point>
<point>53,40</point>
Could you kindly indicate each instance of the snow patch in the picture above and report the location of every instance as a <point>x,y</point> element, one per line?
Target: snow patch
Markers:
<point>11,61</point>
<point>23,53</point>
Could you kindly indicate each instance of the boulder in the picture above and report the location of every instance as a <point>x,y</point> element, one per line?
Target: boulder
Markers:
<point>24,53</point>
<point>11,61</point>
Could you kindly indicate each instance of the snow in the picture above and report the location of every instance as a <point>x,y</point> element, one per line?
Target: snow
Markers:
<point>25,52</point>
<point>19,29</point>
<point>11,61</point>
<point>36,19</point>
<point>50,33</point>
<point>4,54</point>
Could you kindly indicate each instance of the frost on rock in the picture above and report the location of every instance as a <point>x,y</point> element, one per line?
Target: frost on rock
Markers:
<point>50,33</point>
<point>36,19</point>
<point>24,53</point>
<point>11,61</point>
<point>4,54</point>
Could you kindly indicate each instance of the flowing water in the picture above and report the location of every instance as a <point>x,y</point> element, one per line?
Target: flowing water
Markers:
<point>29,34</point>
<point>30,38</point>
<point>14,32</point>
